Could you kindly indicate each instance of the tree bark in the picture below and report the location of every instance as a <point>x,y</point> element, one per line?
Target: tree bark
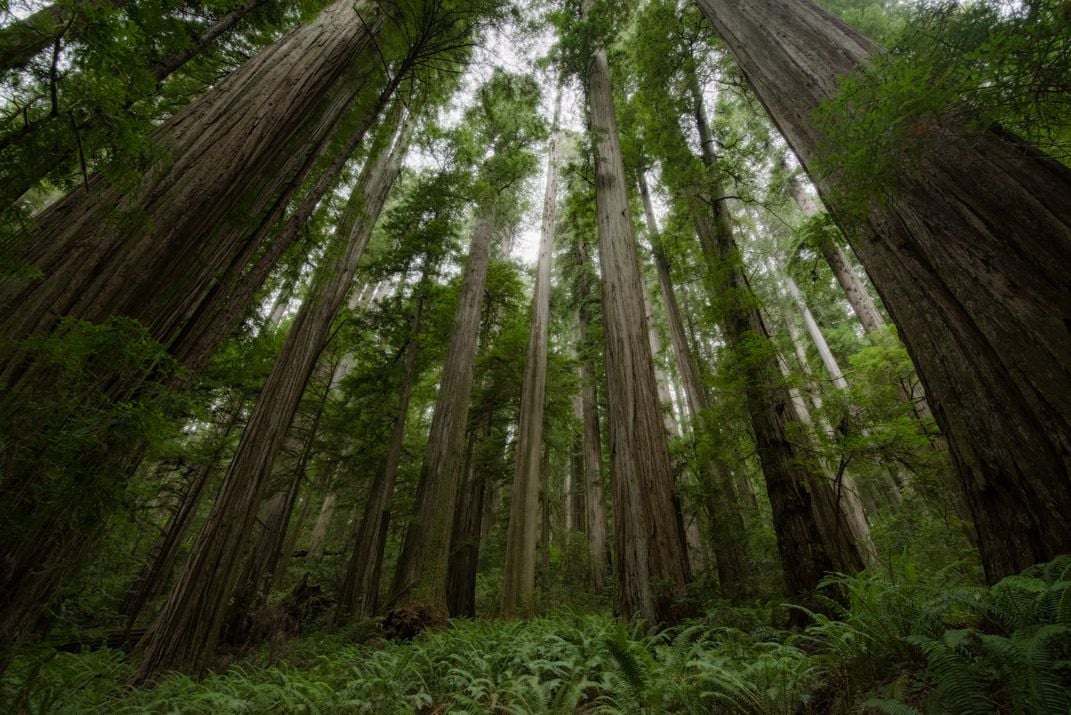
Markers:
<point>972,257</point>
<point>184,636</point>
<point>318,537</point>
<point>157,270</point>
<point>465,533</point>
<point>651,558</point>
<point>421,574</point>
<point>595,511</point>
<point>518,579</point>
<point>730,534</point>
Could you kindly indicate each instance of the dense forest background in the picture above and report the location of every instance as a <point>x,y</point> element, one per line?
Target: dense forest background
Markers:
<point>582,356</point>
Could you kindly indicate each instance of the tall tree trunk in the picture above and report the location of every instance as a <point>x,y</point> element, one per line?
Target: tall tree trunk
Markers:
<point>595,512</point>
<point>665,397</point>
<point>95,268</point>
<point>792,484</point>
<point>266,565</point>
<point>359,591</point>
<point>864,307</point>
<point>651,559</point>
<point>730,534</point>
<point>972,257</point>
<point>518,579</point>
<point>184,635</point>
<point>421,574</point>
<point>466,530</point>
<point>576,514</point>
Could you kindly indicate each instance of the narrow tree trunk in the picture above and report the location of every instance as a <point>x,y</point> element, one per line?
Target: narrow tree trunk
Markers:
<point>665,397</point>
<point>518,578</point>
<point>184,635</point>
<point>576,514</point>
<point>651,560</point>
<point>286,552</point>
<point>972,257</point>
<point>730,534</point>
<point>421,573</point>
<point>595,512</point>
<point>359,592</point>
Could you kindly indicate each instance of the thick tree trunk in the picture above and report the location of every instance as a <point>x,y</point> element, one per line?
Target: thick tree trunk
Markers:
<point>651,559</point>
<point>421,574</point>
<point>184,635</point>
<point>518,579</point>
<point>730,534</point>
<point>359,591</point>
<point>972,257</point>
<point>157,270</point>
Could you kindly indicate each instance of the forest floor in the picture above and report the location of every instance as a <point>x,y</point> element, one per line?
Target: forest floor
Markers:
<point>904,645</point>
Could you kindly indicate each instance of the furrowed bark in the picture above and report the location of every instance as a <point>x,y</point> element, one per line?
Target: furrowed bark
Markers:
<point>185,634</point>
<point>651,558</point>
<point>799,497</point>
<point>971,254</point>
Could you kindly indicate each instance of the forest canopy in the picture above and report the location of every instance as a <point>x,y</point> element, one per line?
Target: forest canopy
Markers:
<point>566,356</point>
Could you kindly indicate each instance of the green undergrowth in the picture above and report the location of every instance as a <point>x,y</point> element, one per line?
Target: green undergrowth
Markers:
<point>904,644</point>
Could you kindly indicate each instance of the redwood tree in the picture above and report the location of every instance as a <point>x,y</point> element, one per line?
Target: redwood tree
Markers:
<point>651,557</point>
<point>971,254</point>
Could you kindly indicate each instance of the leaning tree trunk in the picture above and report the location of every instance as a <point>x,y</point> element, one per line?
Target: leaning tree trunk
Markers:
<point>518,578</point>
<point>420,577</point>
<point>261,565</point>
<point>185,633</point>
<point>651,558</point>
<point>972,257</point>
<point>730,534</point>
<point>155,270</point>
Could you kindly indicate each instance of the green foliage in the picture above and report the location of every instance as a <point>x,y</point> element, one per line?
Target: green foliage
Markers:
<point>963,67</point>
<point>78,417</point>
<point>904,643</point>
